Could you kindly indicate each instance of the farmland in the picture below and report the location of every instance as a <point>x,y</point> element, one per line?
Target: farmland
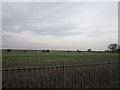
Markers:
<point>28,69</point>
<point>55,58</point>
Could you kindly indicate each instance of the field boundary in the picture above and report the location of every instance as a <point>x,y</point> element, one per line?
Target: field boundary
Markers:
<point>93,75</point>
<point>58,66</point>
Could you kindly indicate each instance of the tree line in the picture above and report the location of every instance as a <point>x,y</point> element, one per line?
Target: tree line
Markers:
<point>113,47</point>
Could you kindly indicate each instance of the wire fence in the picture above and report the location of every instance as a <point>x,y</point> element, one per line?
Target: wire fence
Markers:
<point>94,75</point>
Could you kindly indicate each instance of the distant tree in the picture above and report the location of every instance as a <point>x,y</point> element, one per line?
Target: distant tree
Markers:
<point>89,50</point>
<point>78,50</point>
<point>68,51</point>
<point>43,50</point>
<point>24,50</point>
<point>48,50</point>
<point>8,50</point>
<point>113,47</point>
<point>106,51</point>
<point>118,49</point>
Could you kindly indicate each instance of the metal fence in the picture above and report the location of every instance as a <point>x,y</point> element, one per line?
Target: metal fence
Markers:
<point>98,75</point>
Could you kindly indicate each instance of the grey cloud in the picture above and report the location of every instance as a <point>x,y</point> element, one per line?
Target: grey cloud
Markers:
<point>52,29</point>
<point>18,19</point>
<point>84,20</point>
<point>58,30</point>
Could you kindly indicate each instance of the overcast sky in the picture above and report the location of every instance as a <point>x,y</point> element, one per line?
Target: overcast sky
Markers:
<point>50,25</point>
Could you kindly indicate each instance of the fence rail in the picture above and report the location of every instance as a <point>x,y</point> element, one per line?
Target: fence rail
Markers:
<point>98,75</point>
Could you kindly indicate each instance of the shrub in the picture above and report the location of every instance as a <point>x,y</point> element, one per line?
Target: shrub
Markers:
<point>43,50</point>
<point>25,51</point>
<point>89,50</point>
<point>48,50</point>
<point>8,50</point>
<point>68,51</point>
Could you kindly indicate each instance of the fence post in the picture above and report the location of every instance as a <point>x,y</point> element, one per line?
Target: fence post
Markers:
<point>110,73</point>
<point>64,74</point>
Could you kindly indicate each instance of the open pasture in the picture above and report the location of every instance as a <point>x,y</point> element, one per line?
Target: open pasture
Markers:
<point>55,57</point>
<point>36,69</point>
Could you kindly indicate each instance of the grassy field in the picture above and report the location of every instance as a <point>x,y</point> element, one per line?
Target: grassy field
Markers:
<point>48,57</point>
<point>93,74</point>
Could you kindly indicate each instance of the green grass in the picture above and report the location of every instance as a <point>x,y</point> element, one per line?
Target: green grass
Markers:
<point>37,56</point>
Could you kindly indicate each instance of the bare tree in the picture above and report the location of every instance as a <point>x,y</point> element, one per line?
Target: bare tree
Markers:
<point>113,47</point>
